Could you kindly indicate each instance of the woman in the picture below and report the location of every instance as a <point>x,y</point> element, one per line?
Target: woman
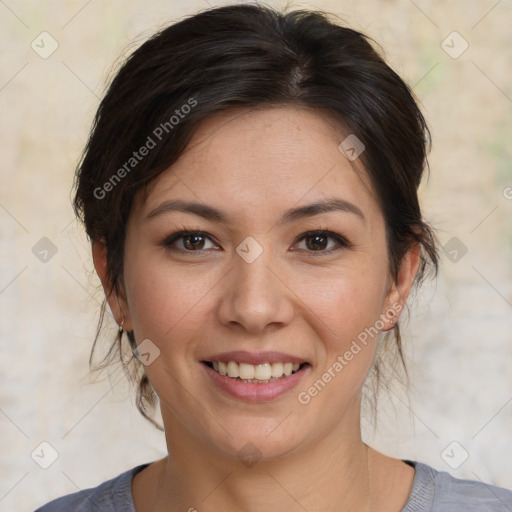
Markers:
<point>250,191</point>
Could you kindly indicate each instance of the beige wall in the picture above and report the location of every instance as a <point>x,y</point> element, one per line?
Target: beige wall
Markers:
<point>460,337</point>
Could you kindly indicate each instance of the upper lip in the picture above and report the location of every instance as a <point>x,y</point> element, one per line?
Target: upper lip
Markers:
<point>242,356</point>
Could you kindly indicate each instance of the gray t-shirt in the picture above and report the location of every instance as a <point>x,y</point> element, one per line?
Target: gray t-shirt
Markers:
<point>432,491</point>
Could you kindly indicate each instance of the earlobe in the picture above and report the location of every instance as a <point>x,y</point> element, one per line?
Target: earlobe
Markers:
<point>117,302</point>
<point>397,296</point>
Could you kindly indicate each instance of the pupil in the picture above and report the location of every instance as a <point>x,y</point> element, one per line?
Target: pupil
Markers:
<point>194,242</point>
<point>316,238</point>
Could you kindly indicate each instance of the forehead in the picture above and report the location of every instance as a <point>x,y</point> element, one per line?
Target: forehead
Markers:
<point>283,156</point>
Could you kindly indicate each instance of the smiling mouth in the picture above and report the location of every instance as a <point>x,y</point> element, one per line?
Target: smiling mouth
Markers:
<point>255,373</point>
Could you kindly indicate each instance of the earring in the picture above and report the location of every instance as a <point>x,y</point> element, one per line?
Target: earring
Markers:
<point>120,334</point>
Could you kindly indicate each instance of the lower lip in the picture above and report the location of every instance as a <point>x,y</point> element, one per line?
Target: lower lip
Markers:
<point>256,392</point>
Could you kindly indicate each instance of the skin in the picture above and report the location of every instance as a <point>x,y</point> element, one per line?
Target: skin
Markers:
<point>290,299</point>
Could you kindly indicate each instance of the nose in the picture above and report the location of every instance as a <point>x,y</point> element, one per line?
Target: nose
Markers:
<point>255,296</point>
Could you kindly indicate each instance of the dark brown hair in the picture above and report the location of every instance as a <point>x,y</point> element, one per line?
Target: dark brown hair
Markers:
<point>249,56</point>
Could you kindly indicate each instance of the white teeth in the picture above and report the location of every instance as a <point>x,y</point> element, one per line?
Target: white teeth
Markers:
<point>263,371</point>
<point>255,373</point>
<point>277,369</point>
<point>232,370</point>
<point>246,371</point>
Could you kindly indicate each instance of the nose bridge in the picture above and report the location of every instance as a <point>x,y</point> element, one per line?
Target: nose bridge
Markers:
<point>255,296</point>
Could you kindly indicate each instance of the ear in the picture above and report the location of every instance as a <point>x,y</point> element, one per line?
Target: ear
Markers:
<point>116,298</point>
<point>400,289</point>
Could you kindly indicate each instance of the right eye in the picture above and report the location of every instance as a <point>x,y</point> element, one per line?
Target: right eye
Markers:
<point>189,240</point>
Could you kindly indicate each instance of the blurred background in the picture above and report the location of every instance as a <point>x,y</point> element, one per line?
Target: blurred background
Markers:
<point>61,430</point>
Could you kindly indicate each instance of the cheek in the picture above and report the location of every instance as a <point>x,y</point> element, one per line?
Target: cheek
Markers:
<point>346,307</point>
<point>345,312</point>
<point>164,302</point>
<point>345,301</point>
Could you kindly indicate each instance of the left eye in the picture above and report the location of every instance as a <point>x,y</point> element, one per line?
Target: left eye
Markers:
<point>318,241</point>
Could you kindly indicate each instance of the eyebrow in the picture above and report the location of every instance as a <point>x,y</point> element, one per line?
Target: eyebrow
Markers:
<point>213,214</point>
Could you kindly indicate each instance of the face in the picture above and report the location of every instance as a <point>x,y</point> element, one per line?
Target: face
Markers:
<point>253,281</point>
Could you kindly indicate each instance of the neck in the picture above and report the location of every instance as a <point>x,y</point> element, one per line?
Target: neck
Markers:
<point>333,470</point>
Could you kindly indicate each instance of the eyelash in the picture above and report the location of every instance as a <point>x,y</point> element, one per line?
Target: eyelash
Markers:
<point>185,231</point>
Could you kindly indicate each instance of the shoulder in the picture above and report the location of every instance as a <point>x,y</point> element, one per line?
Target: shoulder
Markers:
<point>438,491</point>
<point>110,496</point>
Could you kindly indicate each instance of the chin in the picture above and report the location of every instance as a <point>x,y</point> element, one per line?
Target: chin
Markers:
<point>261,439</point>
